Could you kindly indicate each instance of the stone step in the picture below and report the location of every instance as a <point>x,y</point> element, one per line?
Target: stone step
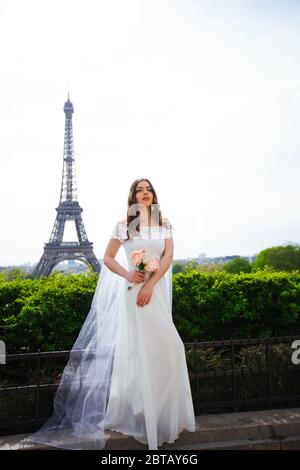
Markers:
<point>267,429</point>
<point>288,443</point>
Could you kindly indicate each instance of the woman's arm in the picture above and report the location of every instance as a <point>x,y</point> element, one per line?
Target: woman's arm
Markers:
<point>109,261</point>
<point>164,263</point>
<point>109,258</point>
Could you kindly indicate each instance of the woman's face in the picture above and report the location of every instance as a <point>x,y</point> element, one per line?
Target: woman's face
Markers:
<point>144,194</point>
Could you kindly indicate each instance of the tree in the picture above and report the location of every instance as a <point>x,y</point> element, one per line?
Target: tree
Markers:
<point>14,273</point>
<point>238,265</point>
<point>280,258</point>
<point>177,268</point>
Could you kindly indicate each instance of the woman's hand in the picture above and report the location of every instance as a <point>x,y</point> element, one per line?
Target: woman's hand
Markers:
<point>135,276</point>
<point>144,295</point>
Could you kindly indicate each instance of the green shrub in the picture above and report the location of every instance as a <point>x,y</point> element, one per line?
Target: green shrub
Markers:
<point>220,305</point>
<point>48,313</point>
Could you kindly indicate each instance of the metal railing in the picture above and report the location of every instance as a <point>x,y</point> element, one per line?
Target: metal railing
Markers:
<point>236,377</point>
<point>224,375</point>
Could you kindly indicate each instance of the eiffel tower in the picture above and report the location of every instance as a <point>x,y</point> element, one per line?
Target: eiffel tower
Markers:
<point>56,251</point>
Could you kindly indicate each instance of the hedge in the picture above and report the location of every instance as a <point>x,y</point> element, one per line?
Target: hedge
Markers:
<point>220,305</point>
<point>47,313</point>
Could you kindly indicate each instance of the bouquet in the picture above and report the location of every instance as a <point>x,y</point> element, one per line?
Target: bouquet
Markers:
<point>143,260</point>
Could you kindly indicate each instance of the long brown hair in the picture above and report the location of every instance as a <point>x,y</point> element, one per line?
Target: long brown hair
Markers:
<point>132,200</point>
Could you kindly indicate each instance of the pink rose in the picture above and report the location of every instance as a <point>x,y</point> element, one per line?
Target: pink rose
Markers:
<point>152,265</point>
<point>137,257</point>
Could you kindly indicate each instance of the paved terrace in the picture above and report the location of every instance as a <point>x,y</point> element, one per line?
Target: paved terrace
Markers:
<point>268,429</point>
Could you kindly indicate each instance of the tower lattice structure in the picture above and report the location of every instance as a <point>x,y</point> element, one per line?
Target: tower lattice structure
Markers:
<point>56,251</point>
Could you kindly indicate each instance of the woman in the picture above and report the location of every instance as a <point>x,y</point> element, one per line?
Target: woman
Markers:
<point>127,370</point>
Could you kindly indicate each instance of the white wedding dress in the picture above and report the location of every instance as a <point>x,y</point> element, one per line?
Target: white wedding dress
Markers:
<point>150,397</point>
<point>127,370</point>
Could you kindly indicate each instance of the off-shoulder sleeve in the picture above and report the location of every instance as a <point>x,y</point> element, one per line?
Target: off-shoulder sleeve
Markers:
<point>119,232</point>
<point>168,228</point>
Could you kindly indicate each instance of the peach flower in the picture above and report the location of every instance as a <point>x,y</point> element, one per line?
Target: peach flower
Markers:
<point>137,256</point>
<point>152,265</point>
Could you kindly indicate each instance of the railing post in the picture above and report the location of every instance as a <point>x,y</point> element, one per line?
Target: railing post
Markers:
<point>269,376</point>
<point>197,376</point>
<point>37,397</point>
<point>233,376</point>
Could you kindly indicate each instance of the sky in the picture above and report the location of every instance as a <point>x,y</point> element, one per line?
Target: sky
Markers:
<point>201,97</point>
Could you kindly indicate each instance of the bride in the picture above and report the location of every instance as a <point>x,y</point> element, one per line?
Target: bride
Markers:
<point>127,370</point>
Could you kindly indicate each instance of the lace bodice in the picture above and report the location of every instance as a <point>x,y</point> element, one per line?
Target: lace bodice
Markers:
<point>150,238</point>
